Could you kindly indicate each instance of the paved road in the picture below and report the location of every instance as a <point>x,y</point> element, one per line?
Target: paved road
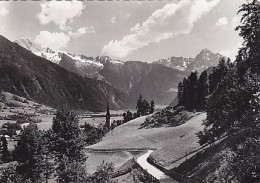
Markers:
<point>158,174</point>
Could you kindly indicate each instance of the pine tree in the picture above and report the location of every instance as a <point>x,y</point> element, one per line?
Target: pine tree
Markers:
<point>231,107</point>
<point>249,55</point>
<point>68,146</point>
<point>180,94</point>
<point>152,107</point>
<point>146,108</point>
<point>103,173</point>
<point>218,74</point>
<point>70,170</point>
<point>203,91</point>
<point>67,136</point>
<point>192,90</point>
<point>29,154</point>
<point>186,93</point>
<point>139,106</point>
<point>5,154</point>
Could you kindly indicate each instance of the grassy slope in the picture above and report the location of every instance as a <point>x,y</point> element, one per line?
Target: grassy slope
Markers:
<point>230,160</point>
<point>171,143</point>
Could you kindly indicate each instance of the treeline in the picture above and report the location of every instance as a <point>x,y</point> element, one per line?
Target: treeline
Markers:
<point>56,154</point>
<point>233,107</point>
<point>194,91</point>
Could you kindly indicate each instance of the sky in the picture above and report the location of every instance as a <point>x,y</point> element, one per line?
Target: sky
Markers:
<point>126,30</point>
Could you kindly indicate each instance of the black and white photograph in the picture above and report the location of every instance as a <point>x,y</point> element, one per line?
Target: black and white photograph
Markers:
<point>130,91</point>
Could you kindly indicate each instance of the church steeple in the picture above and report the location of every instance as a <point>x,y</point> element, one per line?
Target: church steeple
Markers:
<point>108,116</point>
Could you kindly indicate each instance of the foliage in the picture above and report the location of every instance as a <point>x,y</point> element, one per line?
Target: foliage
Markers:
<point>71,171</point>
<point>2,97</point>
<point>67,136</point>
<point>9,175</point>
<point>68,145</point>
<point>249,55</point>
<point>92,134</point>
<point>103,173</point>
<point>234,103</point>
<point>143,107</point>
<point>192,92</point>
<point>29,154</point>
<point>12,126</point>
<point>169,117</point>
<point>5,153</point>
<point>128,116</point>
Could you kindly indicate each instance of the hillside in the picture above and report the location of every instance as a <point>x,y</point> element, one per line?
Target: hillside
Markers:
<point>27,75</point>
<point>171,143</point>
<point>156,81</point>
<point>230,160</point>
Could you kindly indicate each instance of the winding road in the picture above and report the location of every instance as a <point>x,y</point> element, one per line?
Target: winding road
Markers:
<point>158,174</point>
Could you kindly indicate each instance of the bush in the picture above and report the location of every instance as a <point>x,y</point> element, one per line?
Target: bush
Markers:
<point>171,117</point>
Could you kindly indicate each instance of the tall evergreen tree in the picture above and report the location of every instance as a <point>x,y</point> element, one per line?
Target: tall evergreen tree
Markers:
<point>192,90</point>
<point>67,135</point>
<point>249,55</point>
<point>146,108</point>
<point>186,93</point>
<point>152,107</point>
<point>68,147</point>
<point>139,106</point>
<point>29,154</point>
<point>231,107</point>
<point>203,91</point>
<point>218,74</point>
<point>5,154</point>
<point>180,94</point>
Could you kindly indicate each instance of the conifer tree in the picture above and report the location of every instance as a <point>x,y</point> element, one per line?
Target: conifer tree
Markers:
<point>231,107</point>
<point>139,106</point>
<point>203,91</point>
<point>67,136</point>
<point>249,55</point>
<point>68,146</point>
<point>192,90</point>
<point>180,94</point>
<point>5,154</point>
<point>218,74</point>
<point>152,107</point>
<point>29,154</point>
<point>186,93</point>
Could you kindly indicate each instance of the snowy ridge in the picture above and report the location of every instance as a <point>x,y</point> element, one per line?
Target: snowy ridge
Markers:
<point>202,61</point>
<point>55,56</point>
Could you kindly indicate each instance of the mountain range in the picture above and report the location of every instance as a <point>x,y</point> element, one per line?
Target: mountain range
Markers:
<point>156,81</point>
<point>28,75</point>
<point>201,62</point>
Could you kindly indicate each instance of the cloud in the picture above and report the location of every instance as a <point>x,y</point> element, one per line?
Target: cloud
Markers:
<point>3,11</point>
<point>128,15</point>
<point>231,53</point>
<point>171,20</point>
<point>235,21</point>
<point>222,21</point>
<point>55,40</point>
<point>60,12</point>
<point>81,31</point>
<point>113,20</point>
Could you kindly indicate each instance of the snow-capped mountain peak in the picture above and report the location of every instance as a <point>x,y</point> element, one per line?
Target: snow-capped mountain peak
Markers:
<point>202,61</point>
<point>56,56</point>
<point>26,43</point>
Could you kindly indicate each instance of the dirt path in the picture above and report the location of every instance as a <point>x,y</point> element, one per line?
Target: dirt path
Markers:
<point>158,174</point>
